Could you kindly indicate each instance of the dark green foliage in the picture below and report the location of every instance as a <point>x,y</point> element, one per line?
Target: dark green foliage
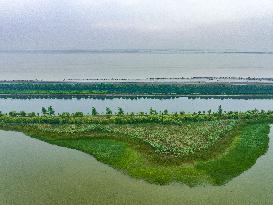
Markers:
<point>108,111</point>
<point>44,111</point>
<point>136,88</point>
<point>94,111</point>
<point>12,113</point>
<point>65,114</point>
<point>23,113</point>
<point>20,114</point>
<point>152,111</point>
<point>49,111</point>
<point>31,114</point>
<point>252,143</point>
<point>77,114</point>
<point>220,110</point>
<point>121,118</point>
<point>120,111</point>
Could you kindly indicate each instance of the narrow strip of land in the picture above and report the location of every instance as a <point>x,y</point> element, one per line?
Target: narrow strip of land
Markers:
<point>135,89</point>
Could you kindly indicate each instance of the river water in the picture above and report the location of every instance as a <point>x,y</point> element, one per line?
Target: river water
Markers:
<point>59,65</point>
<point>135,105</point>
<point>36,173</point>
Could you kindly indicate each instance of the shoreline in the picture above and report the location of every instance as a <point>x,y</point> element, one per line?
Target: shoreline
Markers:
<point>136,89</point>
<point>139,157</point>
<point>2,95</point>
<point>155,80</point>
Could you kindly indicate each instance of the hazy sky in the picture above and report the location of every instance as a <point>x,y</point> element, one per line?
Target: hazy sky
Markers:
<point>99,24</point>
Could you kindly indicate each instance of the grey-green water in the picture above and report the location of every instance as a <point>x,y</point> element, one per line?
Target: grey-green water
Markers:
<point>72,64</point>
<point>33,173</point>
<point>135,105</point>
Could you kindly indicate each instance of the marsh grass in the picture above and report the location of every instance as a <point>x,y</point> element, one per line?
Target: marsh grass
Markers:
<point>183,141</point>
<point>251,143</point>
<point>234,151</point>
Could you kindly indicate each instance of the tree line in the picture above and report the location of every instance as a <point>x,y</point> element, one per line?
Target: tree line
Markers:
<point>50,111</point>
<point>137,88</point>
<point>48,115</point>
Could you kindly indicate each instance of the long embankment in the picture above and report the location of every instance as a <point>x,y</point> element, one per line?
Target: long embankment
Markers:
<point>135,89</point>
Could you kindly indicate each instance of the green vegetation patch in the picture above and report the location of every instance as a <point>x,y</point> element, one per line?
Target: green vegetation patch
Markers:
<point>220,149</point>
<point>179,140</point>
<point>185,140</point>
<point>105,150</point>
<point>246,148</point>
<point>136,88</point>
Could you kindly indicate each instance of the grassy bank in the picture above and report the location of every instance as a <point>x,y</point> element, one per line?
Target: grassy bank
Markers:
<point>60,88</point>
<point>191,152</point>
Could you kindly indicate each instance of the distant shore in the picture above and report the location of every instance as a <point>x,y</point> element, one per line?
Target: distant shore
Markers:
<point>187,88</point>
<point>182,80</point>
<point>67,95</point>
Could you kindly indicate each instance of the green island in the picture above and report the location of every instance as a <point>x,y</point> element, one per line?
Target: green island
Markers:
<point>158,147</point>
<point>135,89</point>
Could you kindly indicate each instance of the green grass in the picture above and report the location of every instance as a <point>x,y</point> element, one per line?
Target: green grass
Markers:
<point>185,140</point>
<point>252,143</point>
<point>124,157</point>
<point>235,148</point>
<point>135,88</point>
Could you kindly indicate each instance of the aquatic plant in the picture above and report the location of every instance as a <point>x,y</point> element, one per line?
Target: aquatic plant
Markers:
<point>230,158</point>
<point>160,148</point>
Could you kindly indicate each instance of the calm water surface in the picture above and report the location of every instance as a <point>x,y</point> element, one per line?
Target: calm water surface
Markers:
<point>135,105</point>
<point>64,65</point>
<point>36,173</point>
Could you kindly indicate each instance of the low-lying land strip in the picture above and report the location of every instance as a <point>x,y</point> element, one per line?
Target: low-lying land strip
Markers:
<point>160,148</point>
<point>135,89</point>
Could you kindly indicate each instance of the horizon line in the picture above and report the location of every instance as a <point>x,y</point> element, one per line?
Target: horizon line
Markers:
<point>136,50</point>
